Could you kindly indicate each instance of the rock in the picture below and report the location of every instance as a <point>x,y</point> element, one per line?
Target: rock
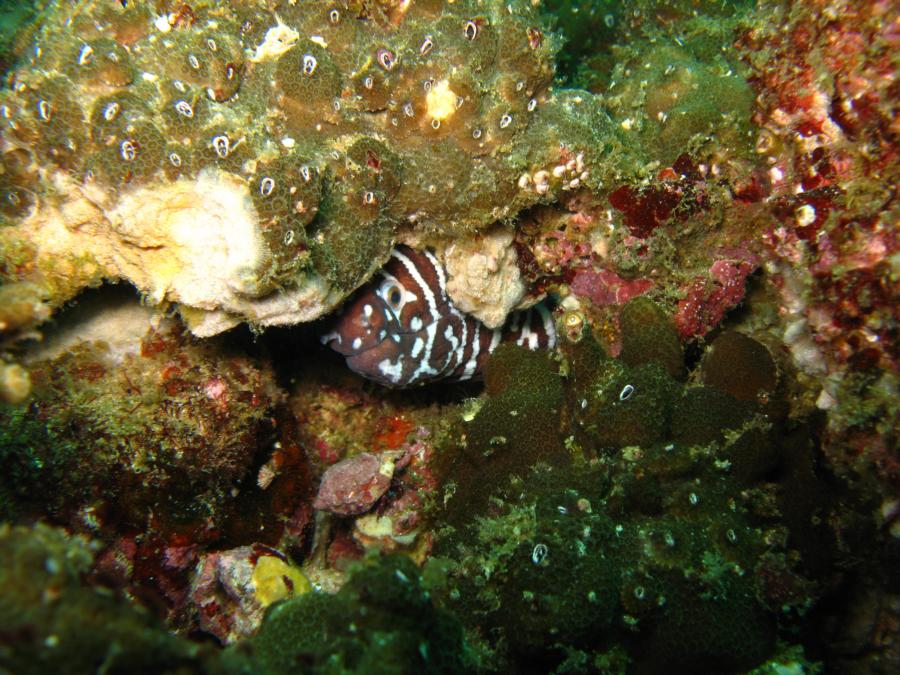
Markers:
<point>352,486</point>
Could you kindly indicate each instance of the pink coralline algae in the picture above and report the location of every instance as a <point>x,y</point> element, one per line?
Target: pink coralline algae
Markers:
<point>709,298</point>
<point>353,486</point>
<point>605,287</point>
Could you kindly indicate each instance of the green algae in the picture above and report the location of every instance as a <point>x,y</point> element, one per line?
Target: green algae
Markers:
<point>52,621</point>
<point>382,621</point>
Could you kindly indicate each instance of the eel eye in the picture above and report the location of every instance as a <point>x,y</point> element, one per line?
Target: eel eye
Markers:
<point>393,295</point>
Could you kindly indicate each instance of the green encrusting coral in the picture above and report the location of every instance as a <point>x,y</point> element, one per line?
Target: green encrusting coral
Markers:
<point>51,621</point>
<point>382,621</point>
<point>641,546</point>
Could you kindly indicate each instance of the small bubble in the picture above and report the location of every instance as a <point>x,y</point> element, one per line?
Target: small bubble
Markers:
<point>179,85</point>
<point>309,64</point>
<point>184,108</point>
<point>476,134</point>
<point>428,84</point>
<point>408,109</point>
<point>128,151</point>
<point>669,539</point>
<point>532,104</point>
<point>470,30</point>
<point>195,64</point>
<point>369,198</point>
<point>175,159</point>
<point>639,592</point>
<point>266,185</point>
<point>693,499</point>
<point>222,146</point>
<point>505,120</point>
<point>289,237</point>
<point>426,46</point>
<point>626,393</point>
<point>538,553</point>
<point>111,111</point>
<point>609,20</point>
<point>386,58</point>
<point>731,535</point>
<point>435,124</point>
<point>86,55</point>
<point>334,16</point>
<point>44,111</point>
<point>369,82</point>
<point>211,44</point>
<point>304,171</point>
<point>230,71</point>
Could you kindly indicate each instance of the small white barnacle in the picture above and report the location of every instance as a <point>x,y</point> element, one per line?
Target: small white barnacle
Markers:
<point>386,58</point>
<point>309,64</point>
<point>334,16</point>
<point>369,198</point>
<point>336,105</point>
<point>538,553</point>
<point>435,124</point>
<point>128,150</point>
<point>505,120</point>
<point>174,159</point>
<point>85,55</point>
<point>532,104</point>
<point>266,185</point>
<point>44,111</point>
<point>211,44</point>
<point>289,237</point>
<point>562,510</point>
<point>693,499</point>
<point>221,145</point>
<point>669,539</point>
<point>408,109</point>
<point>111,111</point>
<point>470,30</point>
<point>476,134</point>
<point>627,392</point>
<point>428,84</point>
<point>426,46</point>
<point>369,82</point>
<point>184,109</point>
<point>179,85</point>
<point>192,60</point>
<point>305,173</point>
<point>731,536</point>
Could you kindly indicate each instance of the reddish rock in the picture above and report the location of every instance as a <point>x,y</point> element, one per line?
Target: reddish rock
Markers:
<point>352,486</point>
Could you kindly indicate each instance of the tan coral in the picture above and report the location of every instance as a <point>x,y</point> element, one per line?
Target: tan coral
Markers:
<point>483,276</point>
<point>195,242</point>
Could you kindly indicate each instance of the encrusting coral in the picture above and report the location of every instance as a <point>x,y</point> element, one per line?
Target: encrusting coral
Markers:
<point>254,163</point>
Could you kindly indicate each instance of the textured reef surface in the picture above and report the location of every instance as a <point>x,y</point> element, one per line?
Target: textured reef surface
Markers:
<point>701,475</point>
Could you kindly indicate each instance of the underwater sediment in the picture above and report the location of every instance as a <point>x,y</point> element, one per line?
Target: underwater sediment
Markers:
<point>701,472</point>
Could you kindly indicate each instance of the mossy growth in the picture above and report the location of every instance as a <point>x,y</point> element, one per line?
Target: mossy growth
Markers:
<point>658,534</point>
<point>649,336</point>
<point>51,622</point>
<point>381,621</point>
<point>517,426</point>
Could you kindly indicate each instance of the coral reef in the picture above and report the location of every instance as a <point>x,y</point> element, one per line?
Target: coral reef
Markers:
<point>702,474</point>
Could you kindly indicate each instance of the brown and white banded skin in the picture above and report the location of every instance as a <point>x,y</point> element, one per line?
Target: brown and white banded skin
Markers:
<point>403,330</point>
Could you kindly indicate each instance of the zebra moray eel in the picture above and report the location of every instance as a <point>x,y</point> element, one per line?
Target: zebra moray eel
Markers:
<point>403,330</point>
